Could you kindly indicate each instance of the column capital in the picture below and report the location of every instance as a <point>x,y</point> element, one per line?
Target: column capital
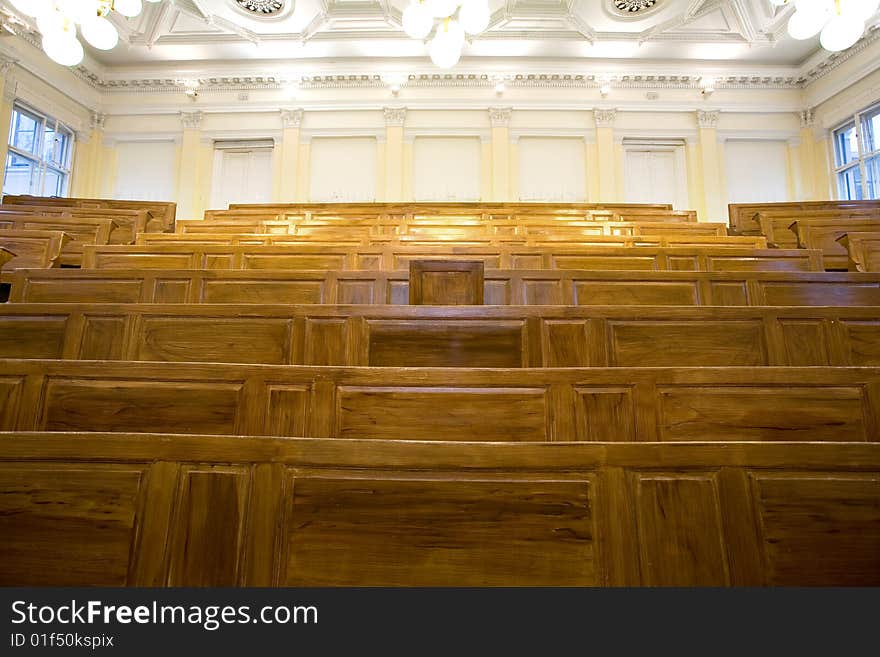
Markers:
<point>6,64</point>
<point>808,118</point>
<point>191,120</point>
<point>604,118</point>
<point>394,116</point>
<point>96,120</point>
<point>291,118</point>
<point>708,119</point>
<point>499,117</point>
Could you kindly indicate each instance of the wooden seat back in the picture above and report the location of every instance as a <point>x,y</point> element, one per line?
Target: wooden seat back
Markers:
<point>863,250</point>
<point>502,287</point>
<point>128,222</point>
<point>81,230</point>
<point>443,336</point>
<point>744,216</point>
<point>822,234</point>
<point>33,248</point>
<point>162,213</point>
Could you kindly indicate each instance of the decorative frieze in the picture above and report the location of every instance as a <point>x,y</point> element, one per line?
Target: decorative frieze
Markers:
<point>808,118</point>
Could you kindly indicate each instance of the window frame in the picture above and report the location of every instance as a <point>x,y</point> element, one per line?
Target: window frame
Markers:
<point>62,169</point>
<point>862,156</point>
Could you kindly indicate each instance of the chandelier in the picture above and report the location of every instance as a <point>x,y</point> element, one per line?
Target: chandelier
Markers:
<point>57,21</point>
<point>453,18</point>
<point>839,23</point>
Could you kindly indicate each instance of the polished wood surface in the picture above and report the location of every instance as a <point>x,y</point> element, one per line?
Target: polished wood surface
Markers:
<point>5,256</point>
<point>744,216</point>
<point>502,287</point>
<point>128,223</point>
<point>33,248</point>
<point>822,234</point>
<point>233,238</point>
<point>80,230</point>
<point>162,213</point>
<point>617,404</point>
<point>446,283</point>
<point>779,229</point>
<point>212,256</point>
<point>401,336</point>
<point>444,208</point>
<point>171,510</point>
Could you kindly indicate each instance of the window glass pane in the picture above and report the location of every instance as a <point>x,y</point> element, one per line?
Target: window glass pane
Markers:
<point>50,146</point>
<point>20,175</point>
<point>64,138</point>
<point>849,183</point>
<point>871,130</point>
<point>872,175</point>
<point>53,185</point>
<point>25,131</point>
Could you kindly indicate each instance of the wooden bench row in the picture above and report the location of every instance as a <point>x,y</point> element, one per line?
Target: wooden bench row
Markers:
<point>502,287</point>
<point>470,336</point>
<point>780,229</point>
<point>171,510</point>
<point>617,404</point>
<point>40,249</point>
<point>161,213</point>
<point>126,223</point>
<point>81,231</point>
<point>437,230</point>
<point>210,256</point>
<point>269,239</point>
<point>744,216</point>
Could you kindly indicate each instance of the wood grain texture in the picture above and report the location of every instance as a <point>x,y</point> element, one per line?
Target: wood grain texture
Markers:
<point>863,250</point>
<point>616,404</point>
<point>80,230</point>
<point>744,216</point>
<point>257,511</point>
<point>823,233</point>
<point>502,287</point>
<point>446,283</point>
<point>35,249</point>
<point>443,336</point>
<point>161,214</point>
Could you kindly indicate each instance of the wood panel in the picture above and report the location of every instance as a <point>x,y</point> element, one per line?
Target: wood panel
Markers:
<point>129,223</point>
<point>209,256</point>
<point>744,216</point>
<point>863,250</point>
<point>81,231</point>
<point>823,235</point>
<point>779,226</point>
<point>403,336</point>
<point>131,509</point>
<point>161,213</point>
<point>39,249</point>
<point>502,287</point>
<point>641,404</point>
<point>451,283</point>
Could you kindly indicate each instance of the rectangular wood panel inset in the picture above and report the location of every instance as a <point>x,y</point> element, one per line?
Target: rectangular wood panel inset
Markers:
<point>67,525</point>
<point>446,343</point>
<point>279,291</point>
<point>605,414</point>
<point>446,283</point>
<point>697,344</point>
<point>637,293</point>
<point>103,338</point>
<point>140,406</point>
<point>680,533</point>
<point>757,413</point>
<point>863,339</point>
<point>214,340</point>
<point>412,413</point>
<point>10,400</point>
<point>819,529</point>
<point>209,528</point>
<point>400,531</point>
<point>32,337</point>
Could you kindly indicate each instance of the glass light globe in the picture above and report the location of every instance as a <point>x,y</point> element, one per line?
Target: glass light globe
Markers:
<point>453,31</point>
<point>442,8</point>
<point>841,32</point>
<point>100,33</point>
<point>474,16</point>
<point>445,47</point>
<point>33,7</point>
<point>417,20</point>
<point>65,50</point>
<point>52,22</point>
<point>806,24</point>
<point>78,10</point>
<point>128,8</point>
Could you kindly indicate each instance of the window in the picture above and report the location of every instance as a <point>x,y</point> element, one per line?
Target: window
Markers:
<point>857,156</point>
<point>38,161</point>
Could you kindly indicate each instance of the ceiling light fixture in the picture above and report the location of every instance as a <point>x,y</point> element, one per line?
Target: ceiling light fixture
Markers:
<point>57,20</point>
<point>456,18</point>
<point>839,23</point>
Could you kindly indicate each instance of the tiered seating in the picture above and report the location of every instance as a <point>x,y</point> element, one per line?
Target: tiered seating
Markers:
<point>863,250</point>
<point>313,442</point>
<point>162,214</point>
<point>33,248</point>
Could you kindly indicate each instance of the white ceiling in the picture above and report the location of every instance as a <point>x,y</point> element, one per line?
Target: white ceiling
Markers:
<point>364,33</point>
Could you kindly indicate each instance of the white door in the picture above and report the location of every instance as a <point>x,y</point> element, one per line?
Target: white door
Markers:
<point>242,176</point>
<point>656,175</point>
